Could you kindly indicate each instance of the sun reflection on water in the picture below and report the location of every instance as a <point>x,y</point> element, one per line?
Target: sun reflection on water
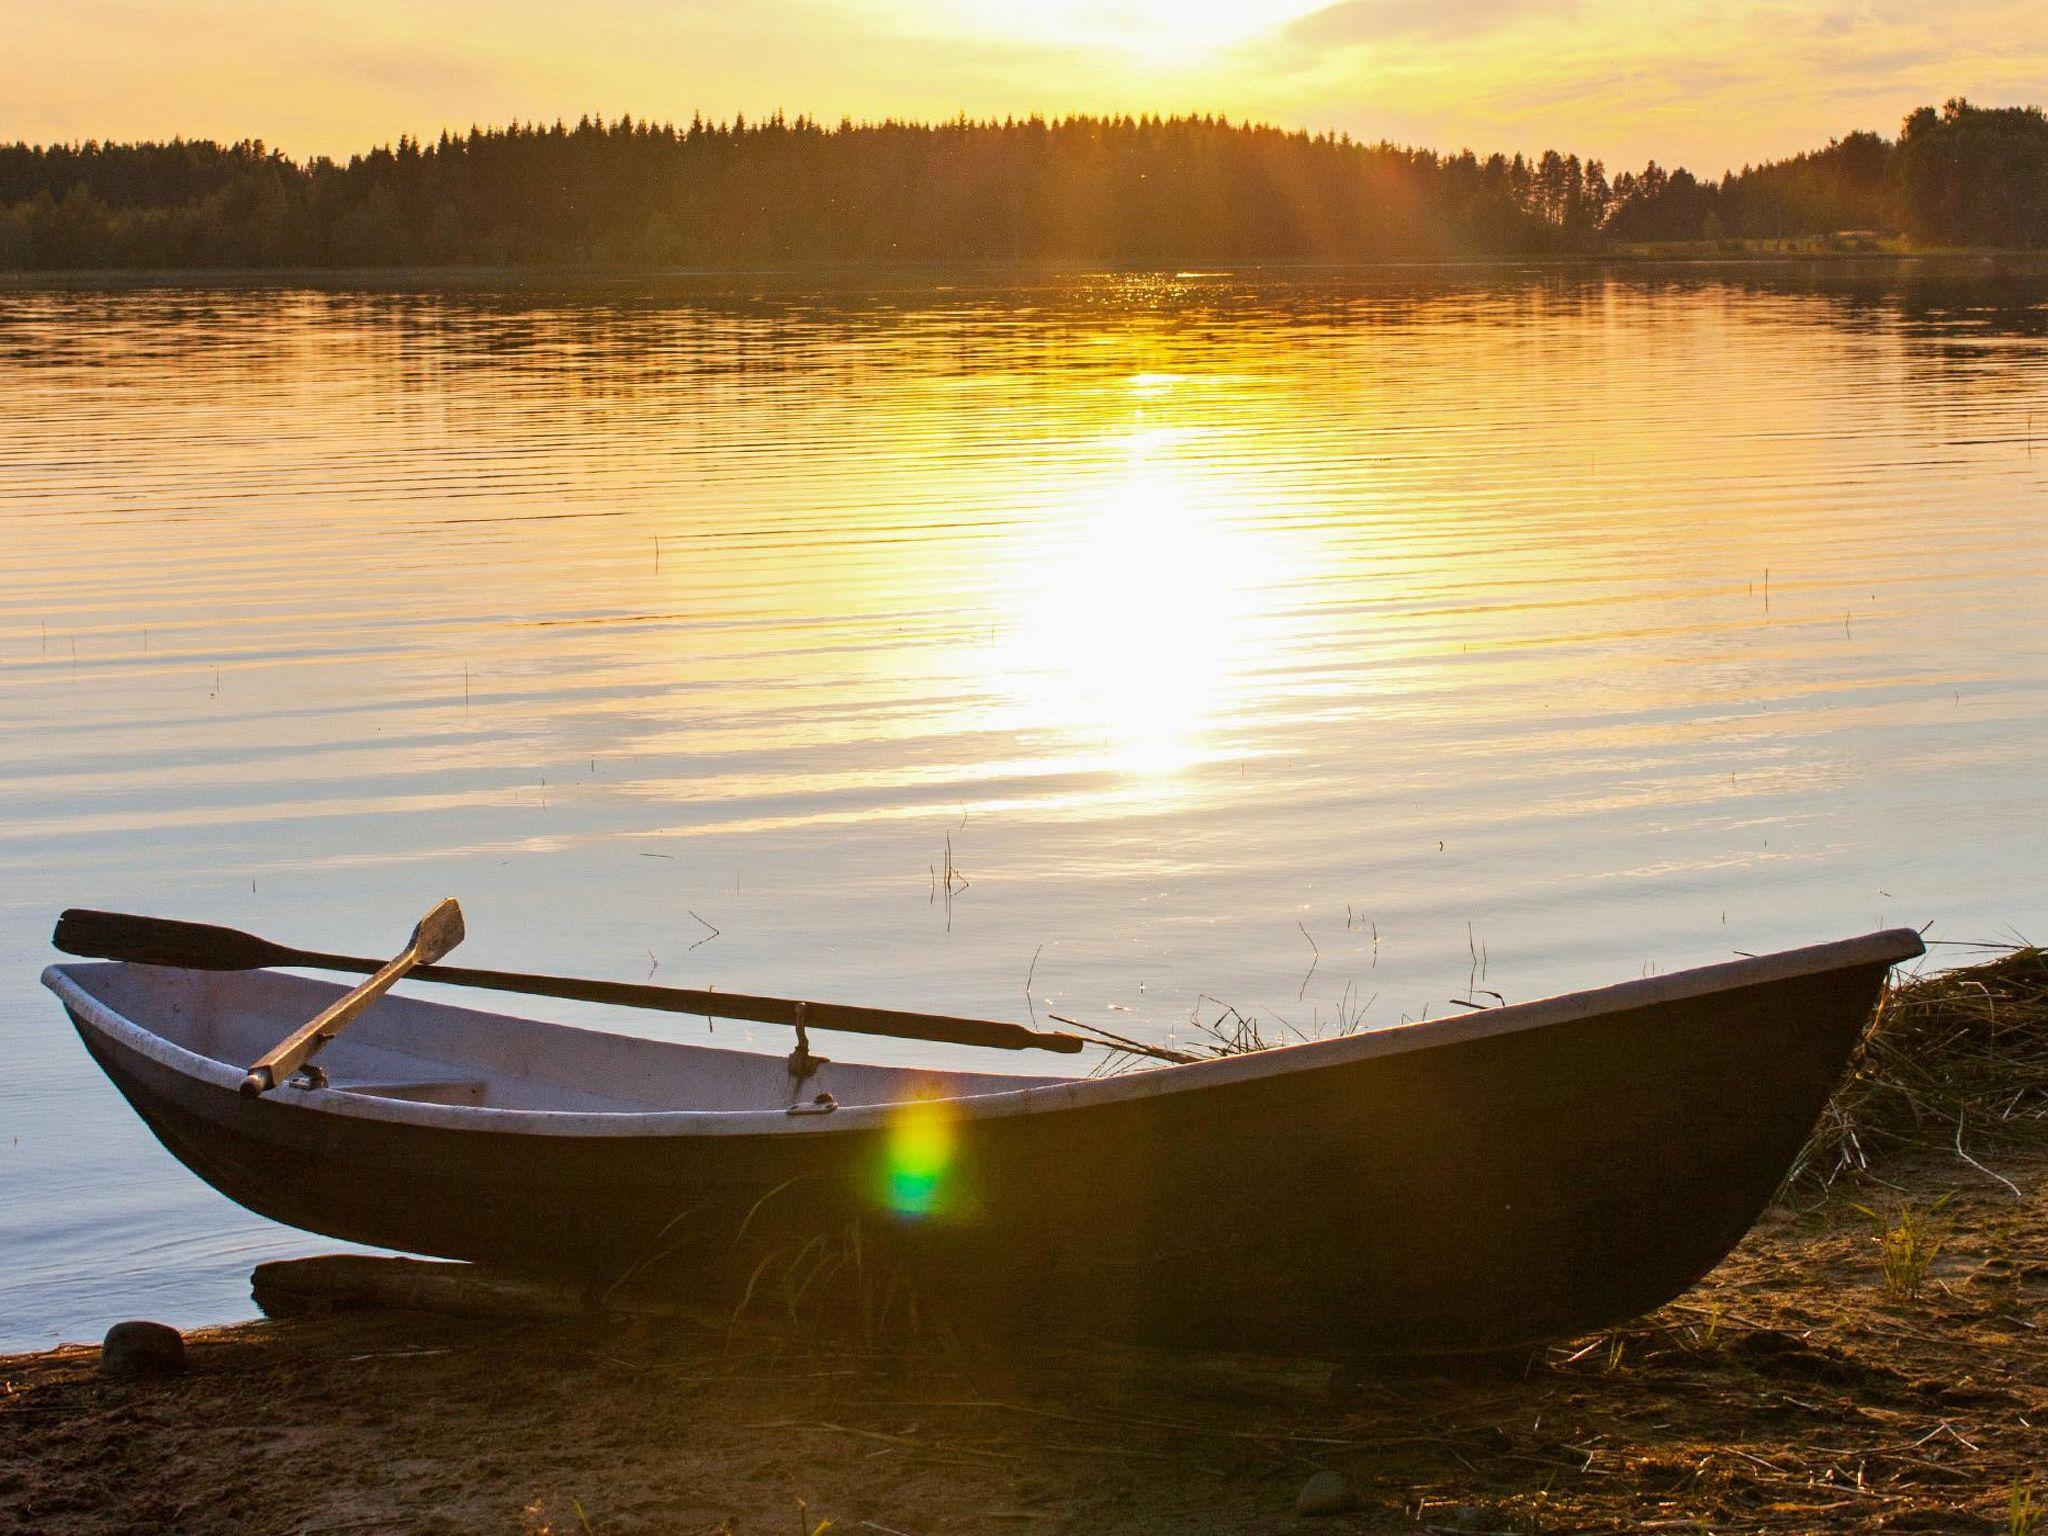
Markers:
<point>1131,629</point>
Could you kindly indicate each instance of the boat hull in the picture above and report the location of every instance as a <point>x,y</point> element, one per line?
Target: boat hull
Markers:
<point>1483,1193</point>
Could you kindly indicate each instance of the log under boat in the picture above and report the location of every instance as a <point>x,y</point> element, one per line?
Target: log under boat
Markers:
<point>1462,1184</point>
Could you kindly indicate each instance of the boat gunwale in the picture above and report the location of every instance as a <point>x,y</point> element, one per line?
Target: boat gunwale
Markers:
<point>1886,946</point>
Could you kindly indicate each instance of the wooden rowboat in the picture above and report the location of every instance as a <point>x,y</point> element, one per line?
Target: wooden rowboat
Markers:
<point>1462,1184</point>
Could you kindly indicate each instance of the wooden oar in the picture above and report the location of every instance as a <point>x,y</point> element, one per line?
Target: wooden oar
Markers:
<point>203,947</point>
<point>438,932</point>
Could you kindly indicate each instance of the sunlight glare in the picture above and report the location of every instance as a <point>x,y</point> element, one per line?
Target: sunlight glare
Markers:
<point>1134,624</point>
<point>1153,31</point>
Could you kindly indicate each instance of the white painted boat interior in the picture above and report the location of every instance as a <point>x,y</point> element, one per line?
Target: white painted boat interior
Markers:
<point>409,1049</point>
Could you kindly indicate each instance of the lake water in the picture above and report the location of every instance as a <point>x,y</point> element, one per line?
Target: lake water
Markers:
<point>1330,647</point>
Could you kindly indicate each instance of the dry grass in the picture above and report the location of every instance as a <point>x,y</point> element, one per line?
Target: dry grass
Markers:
<point>1958,1059</point>
<point>1234,1033</point>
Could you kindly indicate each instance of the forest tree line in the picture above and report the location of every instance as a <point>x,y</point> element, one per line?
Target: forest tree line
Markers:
<point>1083,189</point>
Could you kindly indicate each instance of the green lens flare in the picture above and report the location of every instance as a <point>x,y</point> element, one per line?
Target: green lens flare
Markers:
<point>920,1156</point>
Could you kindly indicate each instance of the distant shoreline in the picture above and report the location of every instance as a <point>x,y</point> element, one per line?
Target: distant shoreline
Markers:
<point>1119,191</point>
<point>2001,262</point>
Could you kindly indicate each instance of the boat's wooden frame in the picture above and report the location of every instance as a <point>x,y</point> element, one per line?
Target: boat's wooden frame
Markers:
<point>1465,1183</point>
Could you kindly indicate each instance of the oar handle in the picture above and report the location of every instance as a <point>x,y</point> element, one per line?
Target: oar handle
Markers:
<point>438,932</point>
<point>292,1052</point>
<point>849,1018</point>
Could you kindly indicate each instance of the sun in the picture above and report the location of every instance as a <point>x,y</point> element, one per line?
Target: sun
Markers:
<point>1157,32</point>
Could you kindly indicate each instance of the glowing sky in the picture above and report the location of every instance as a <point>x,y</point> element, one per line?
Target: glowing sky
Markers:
<point>1700,82</point>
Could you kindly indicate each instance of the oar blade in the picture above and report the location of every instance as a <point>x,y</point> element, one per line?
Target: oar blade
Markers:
<point>162,941</point>
<point>439,931</point>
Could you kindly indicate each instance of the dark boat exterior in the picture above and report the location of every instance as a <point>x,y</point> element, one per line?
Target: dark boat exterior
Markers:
<point>1459,1185</point>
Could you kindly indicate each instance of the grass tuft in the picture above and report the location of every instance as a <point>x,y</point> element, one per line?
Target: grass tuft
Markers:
<point>1909,1240</point>
<point>835,1289</point>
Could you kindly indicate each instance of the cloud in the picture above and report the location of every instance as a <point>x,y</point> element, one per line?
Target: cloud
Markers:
<point>405,74</point>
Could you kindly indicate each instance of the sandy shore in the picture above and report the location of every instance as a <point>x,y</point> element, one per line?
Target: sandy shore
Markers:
<point>1791,1391</point>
